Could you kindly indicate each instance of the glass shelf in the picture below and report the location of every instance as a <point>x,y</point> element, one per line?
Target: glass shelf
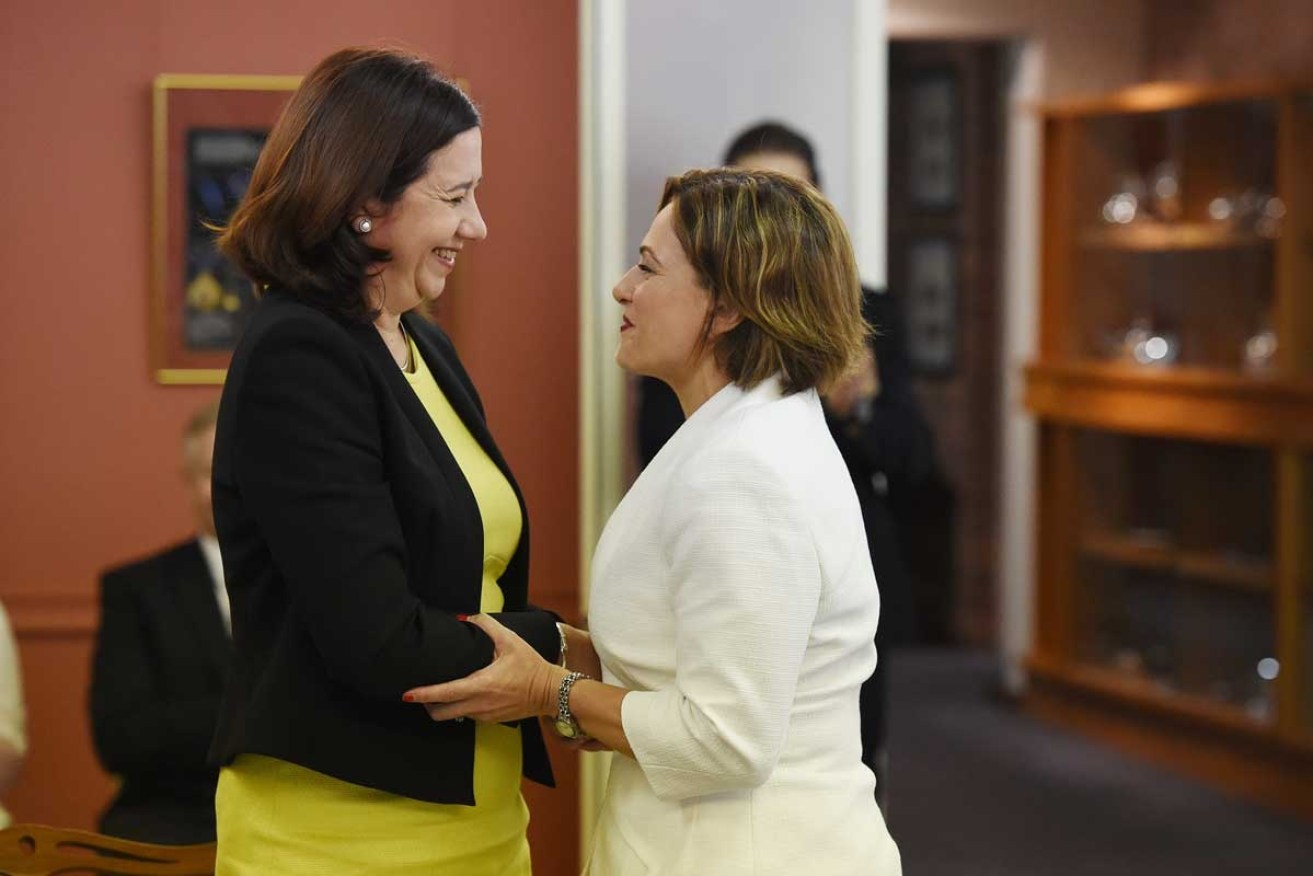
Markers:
<point>1151,551</point>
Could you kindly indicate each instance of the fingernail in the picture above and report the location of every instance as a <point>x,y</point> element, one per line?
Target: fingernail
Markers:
<point>462,617</point>
<point>410,698</point>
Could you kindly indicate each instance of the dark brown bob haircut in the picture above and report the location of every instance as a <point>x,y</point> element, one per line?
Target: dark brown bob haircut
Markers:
<point>774,249</point>
<point>361,127</point>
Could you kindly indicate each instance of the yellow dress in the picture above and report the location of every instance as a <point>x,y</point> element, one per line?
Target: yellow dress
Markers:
<point>275,817</point>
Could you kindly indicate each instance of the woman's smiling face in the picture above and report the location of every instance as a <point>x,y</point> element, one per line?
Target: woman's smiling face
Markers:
<point>429,224</point>
<point>665,308</point>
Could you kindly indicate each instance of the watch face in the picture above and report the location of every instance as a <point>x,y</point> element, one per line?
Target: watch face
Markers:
<point>567,729</point>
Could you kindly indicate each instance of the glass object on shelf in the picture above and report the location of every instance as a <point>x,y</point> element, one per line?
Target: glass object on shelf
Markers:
<point>1166,191</point>
<point>1261,705</point>
<point>1254,210</point>
<point>1270,218</point>
<point>1260,351</point>
<point>1134,201</point>
<point>1142,344</point>
<point>1123,206</point>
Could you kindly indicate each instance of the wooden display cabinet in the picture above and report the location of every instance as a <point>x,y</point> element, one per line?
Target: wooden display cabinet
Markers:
<point>1174,392</point>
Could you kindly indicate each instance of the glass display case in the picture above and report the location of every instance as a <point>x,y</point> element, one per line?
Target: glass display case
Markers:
<point>1174,393</point>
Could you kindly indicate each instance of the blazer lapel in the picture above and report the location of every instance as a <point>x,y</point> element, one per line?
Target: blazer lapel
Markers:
<point>370,341</point>
<point>193,588</point>
<point>515,579</point>
<point>453,387</point>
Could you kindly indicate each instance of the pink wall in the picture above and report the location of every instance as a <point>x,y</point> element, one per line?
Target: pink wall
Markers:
<point>88,446</point>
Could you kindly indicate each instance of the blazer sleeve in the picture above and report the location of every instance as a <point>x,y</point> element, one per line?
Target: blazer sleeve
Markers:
<point>137,726</point>
<point>307,462</point>
<point>745,587</point>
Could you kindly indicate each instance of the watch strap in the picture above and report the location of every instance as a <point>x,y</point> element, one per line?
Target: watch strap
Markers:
<point>564,717</point>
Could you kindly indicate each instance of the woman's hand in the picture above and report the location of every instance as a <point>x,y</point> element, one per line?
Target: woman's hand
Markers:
<point>517,684</point>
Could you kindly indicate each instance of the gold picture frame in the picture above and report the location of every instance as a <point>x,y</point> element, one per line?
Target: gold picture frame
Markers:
<point>207,130</point>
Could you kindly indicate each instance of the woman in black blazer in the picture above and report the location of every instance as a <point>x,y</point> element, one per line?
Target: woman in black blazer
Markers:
<point>362,506</point>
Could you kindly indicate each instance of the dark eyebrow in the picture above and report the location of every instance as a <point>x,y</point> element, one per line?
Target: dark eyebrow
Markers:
<point>647,251</point>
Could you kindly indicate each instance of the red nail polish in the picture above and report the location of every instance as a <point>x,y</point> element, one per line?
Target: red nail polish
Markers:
<point>410,698</point>
<point>462,617</point>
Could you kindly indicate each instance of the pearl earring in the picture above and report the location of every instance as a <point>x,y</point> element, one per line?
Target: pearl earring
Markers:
<point>363,225</point>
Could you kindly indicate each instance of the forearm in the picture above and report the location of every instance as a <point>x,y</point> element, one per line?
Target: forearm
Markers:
<point>596,707</point>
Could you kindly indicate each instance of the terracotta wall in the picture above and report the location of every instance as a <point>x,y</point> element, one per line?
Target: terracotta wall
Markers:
<point>89,441</point>
<point>1221,40</point>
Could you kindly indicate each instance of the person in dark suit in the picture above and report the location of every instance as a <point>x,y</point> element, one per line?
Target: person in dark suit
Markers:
<point>363,507</point>
<point>161,658</point>
<point>874,418</point>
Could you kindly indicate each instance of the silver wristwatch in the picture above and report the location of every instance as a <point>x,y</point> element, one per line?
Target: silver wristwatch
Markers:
<point>566,725</point>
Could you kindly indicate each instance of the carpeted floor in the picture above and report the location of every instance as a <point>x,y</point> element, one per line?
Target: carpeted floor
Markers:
<point>977,788</point>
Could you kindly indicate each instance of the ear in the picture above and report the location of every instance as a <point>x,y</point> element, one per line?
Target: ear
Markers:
<point>725,319</point>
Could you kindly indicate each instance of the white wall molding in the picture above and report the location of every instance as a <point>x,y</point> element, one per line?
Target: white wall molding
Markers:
<point>601,261</point>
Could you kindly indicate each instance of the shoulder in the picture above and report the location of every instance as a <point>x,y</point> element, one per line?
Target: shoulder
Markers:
<point>279,319</point>
<point>288,347</point>
<point>767,432</point>
<point>773,451</point>
<point>144,570</point>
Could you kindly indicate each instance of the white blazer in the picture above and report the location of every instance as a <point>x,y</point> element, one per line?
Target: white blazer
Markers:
<point>732,593</point>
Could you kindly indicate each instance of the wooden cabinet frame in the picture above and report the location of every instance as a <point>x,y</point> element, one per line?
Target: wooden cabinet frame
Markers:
<point>1069,391</point>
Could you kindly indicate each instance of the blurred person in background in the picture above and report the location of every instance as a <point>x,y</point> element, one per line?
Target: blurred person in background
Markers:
<point>13,730</point>
<point>363,507</point>
<point>875,420</point>
<point>162,655</point>
<point>733,606</point>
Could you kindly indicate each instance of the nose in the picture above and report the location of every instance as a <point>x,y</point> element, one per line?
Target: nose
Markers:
<point>473,227</point>
<point>622,290</point>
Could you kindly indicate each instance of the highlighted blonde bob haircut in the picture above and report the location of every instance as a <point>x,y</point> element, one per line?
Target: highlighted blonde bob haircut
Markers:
<point>772,248</point>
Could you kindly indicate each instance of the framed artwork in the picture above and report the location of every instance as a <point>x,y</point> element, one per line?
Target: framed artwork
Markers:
<point>208,132</point>
<point>934,130</point>
<point>931,304</point>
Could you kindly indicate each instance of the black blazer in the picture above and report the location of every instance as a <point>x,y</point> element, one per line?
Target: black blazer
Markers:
<point>161,657</point>
<point>351,539</point>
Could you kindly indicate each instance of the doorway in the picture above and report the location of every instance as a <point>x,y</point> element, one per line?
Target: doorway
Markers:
<point>945,209</point>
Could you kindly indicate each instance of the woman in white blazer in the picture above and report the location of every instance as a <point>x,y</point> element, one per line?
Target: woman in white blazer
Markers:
<point>733,604</point>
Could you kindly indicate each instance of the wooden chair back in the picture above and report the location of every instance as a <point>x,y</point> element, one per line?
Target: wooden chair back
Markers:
<point>36,850</point>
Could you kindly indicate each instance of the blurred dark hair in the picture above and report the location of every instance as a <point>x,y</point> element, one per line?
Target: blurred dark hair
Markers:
<point>777,138</point>
<point>360,129</point>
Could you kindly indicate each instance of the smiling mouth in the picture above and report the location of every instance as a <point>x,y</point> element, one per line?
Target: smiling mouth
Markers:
<point>446,256</point>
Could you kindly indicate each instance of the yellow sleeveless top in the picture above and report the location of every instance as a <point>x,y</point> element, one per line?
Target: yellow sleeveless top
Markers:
<point>275,817</point>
